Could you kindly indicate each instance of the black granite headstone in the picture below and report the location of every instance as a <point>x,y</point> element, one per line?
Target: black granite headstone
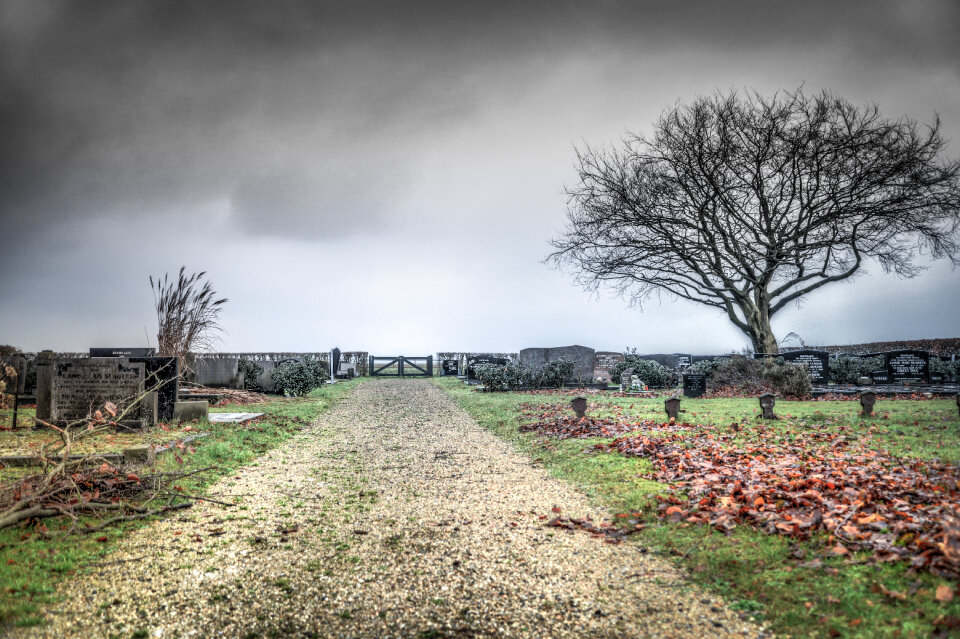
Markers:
<point>122,352</point>
<point>334,362</point>
<point>684,360</point>
<point>164,374</point>
<point>449,367</point>
<point>880,377</point>
<point>936,378</point>
<point>694,384</point>
<point>818,363</point>
<point>908,366</point>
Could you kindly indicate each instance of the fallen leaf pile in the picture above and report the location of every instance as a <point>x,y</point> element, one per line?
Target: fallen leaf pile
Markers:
<point>585,427</point>
<point>810,482</point>
<point>610,533</point>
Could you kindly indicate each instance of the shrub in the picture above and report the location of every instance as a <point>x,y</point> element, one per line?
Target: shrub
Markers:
<point>654,374</point>
<point>748,375</point>
<point>299,378</point>
<point>251,373</point>
<point>846,370</point>
<point>949,369</point>
<point>740,373</point>
<point>706,366</point>
<point>787,379</point>
<point>556,373</point>
<point>495,377</point>
<point>515,375</point>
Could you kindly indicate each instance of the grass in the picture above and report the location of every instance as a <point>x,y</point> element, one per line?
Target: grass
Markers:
<point>31,565</point>
<point>758,574</point>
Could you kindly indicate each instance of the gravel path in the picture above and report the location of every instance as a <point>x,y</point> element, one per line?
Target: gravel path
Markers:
<point>394,515</point>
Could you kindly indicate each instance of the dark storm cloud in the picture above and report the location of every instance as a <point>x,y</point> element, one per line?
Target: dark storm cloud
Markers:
<point>307,117</point>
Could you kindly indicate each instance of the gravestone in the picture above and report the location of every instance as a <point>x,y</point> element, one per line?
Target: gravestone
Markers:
<point>684,360</point>
<point>818,363</point>
<point>767,402</point>
<point>123,352</point>
<point>672,407</point>
<point>80,386</point>
<point>449,368</point>
<point>265,383</point>
<point>626,380</point>
<point>217,372</point>
<point>334,362</point>
<point>936,378</point>
<point>881,377</point>
<point>475,359</point>
<point>694,384</point>
<point>584,358</point>
<point>18,363</point>
<point>908,366</point>
<point>163,375</point>
<point>579,406</point>
<point>604,363</point>
<point>44,383</point>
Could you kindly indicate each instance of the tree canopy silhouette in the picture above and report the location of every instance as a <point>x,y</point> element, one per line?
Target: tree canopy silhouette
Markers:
<point>747,204</point>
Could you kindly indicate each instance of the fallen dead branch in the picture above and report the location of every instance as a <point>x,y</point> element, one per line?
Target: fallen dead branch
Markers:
<point>229,395</point>
<point>85,488</point>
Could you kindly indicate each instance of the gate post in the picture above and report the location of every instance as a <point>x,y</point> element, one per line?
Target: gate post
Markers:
<point>370,367</point>
<point>429,365</point>
<point>400,366</point>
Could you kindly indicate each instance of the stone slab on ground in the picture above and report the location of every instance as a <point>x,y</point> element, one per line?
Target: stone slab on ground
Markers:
<point>232,418</point>
<point>393,515</point>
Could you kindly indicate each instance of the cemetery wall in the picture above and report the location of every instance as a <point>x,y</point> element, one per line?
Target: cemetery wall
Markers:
<point>940,346</point>
<point>584,358</point>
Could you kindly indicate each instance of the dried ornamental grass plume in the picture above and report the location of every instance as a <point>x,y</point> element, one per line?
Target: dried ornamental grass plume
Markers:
<point>188,315</point>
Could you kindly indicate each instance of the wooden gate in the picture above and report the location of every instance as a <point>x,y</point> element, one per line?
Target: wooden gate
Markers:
<point>401,366</point>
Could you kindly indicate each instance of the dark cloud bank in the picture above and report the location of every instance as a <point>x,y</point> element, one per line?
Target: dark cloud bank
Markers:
<point>308,121</point>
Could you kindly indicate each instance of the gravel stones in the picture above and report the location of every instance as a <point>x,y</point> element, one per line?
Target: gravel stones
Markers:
<point>393,515</point>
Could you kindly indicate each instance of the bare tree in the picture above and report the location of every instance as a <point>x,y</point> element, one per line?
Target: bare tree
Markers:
<point>188,314</point>
<point>747,204</point>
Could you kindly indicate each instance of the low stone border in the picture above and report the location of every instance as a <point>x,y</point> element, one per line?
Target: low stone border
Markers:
<point>135,454</point>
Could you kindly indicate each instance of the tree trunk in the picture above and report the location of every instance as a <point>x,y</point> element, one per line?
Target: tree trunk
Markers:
<point>761,333</point>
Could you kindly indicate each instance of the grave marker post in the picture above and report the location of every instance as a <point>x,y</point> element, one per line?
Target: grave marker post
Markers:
<point>867,400</point>
<point>767,402</point>
<point>672,406</point>
<point>579,406</point>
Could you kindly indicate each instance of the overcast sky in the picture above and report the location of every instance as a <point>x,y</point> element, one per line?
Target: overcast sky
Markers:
<point>386,176</point>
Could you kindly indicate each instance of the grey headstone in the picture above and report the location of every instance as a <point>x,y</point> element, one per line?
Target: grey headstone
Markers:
<point>80,386</point>
<point>604,364</point>
<point>217,372</point>
<point>19,364</point>
<point>626,380</point>
<point>189,411</point>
